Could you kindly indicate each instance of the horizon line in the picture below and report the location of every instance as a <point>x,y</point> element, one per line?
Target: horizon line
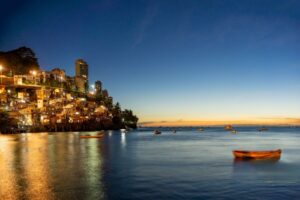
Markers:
<point>253,122</point>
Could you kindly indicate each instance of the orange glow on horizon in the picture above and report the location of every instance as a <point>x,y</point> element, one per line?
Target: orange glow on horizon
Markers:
<point>258,121</point>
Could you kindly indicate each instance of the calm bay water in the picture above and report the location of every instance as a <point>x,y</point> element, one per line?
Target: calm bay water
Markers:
<point>138,165</point>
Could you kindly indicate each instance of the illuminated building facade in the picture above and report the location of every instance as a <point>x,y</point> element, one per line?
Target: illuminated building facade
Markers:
<point>81,76</point>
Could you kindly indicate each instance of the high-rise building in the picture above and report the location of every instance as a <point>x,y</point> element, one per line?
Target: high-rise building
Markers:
<point>98,86</point>
<point>105,93</point>
<point>81,76</point>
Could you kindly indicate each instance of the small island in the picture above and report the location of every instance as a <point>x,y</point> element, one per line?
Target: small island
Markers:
<point>35,100</point>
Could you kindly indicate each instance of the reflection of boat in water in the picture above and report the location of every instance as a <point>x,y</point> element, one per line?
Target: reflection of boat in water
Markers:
<point>228,127</point>
<point>157,132</point>
<point>256,161</point>
<point>100,135</point>
<point>257,154</point>
<point>91,136</point>
<point>200,129</point>
<point>262,129</point>
<point>242,166</point>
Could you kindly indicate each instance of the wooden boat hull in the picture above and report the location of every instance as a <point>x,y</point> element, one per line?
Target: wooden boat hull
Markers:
<point>91,136</point>
<point>257,154</point>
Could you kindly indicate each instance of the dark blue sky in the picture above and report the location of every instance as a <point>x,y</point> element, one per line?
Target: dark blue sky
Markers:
<point>171,60</point>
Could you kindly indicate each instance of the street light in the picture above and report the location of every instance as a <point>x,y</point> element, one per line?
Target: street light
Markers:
<point>1,68</point>
<point>92,90</point>
<point>61,81</point>
<point>33,72</point>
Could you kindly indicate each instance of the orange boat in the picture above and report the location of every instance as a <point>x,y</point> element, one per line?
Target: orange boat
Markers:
<point>92,136</point>
<point>257,154</point>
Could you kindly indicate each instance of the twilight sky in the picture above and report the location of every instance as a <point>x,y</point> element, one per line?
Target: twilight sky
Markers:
<point>172,60</point>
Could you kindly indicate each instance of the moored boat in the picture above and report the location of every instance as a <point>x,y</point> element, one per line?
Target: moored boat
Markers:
<point>92,136</point>
<point>228,127</point>
<point>257,154</point>
<point>157,132</point>
<point>233,131</point>
<point>262,129</point>
<point>123,130</point>
<point>200,129</point>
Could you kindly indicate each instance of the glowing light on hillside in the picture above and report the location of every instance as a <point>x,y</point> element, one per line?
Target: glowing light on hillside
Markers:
<point>1,68</point>
<point>33,72</point>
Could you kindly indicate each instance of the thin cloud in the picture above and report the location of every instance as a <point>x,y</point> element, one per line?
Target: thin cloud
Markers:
<point>257,29</point>
<point>146,22</point>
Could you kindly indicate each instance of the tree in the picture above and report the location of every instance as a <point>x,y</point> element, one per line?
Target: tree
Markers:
<point>116,110</point>
<point>116,113</point>
<point>6,124</point>
<point>19,61</point>
<point>129,119</point>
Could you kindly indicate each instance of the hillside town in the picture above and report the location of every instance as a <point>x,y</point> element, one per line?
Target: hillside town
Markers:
<point>33,99</point>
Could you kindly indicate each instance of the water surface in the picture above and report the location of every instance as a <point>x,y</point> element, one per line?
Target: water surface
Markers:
<point>138,165</point>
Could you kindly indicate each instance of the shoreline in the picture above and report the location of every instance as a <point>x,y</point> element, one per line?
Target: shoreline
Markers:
<point>69,128</point>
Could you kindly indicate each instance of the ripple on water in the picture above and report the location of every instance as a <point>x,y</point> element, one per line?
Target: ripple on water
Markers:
<point>138,165</point>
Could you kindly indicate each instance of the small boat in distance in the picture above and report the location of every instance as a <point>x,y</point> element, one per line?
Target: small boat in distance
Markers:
<point>274,154</point>
<point>228,127</point>
<point>201,129</point>
<point>157,132</point>
<point>174,131</point>
<point>233,131</point>
<point>262,129</point>
<point>123,130</point>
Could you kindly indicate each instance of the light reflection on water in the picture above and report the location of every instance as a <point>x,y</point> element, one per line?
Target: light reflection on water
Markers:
<point>7,181</point>
<point>54,166</point>
<point>138,165</point>
<point>123,139</point>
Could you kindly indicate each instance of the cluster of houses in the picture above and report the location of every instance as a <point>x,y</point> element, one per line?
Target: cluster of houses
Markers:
<point>41,98</point>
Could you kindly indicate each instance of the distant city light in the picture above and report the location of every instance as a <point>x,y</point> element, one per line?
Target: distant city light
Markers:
<point>33,72</point>
<point>55,99</point>
<point>1,68</point>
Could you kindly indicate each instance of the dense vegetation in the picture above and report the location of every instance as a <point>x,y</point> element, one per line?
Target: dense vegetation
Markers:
<point>7,124</point>
<point>19,61</point>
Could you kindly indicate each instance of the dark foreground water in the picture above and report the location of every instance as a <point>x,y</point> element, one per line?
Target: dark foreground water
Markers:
<point>139,165</point>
